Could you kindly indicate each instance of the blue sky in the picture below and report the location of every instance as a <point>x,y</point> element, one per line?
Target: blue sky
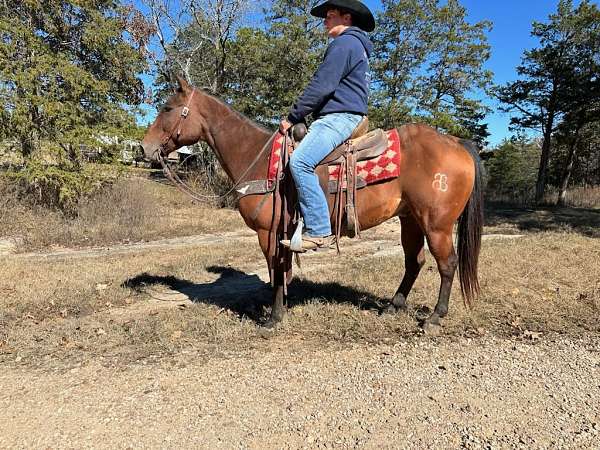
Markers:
<point>509,37</point>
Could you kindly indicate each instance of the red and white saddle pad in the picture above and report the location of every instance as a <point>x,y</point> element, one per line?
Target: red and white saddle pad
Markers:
<point>384,167</point>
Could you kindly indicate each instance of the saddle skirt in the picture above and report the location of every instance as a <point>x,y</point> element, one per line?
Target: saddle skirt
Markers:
<point>378,156</point>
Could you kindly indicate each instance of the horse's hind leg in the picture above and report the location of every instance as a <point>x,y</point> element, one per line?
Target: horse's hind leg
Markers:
<point>414,258</point>
<point>442,248</point>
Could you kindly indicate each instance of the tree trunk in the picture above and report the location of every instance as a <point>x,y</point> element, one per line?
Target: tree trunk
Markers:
<point>27,147</point>
<point>562,193</point>
<point>540,187</point>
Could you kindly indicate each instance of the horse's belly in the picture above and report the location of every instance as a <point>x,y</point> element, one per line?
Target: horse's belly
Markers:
<point>375,203</point>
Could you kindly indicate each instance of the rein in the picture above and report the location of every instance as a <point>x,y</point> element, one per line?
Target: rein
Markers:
<point>178,182</point>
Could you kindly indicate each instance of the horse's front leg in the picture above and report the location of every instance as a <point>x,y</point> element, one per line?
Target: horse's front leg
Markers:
<point>279,308</point>
<point>277,273</point>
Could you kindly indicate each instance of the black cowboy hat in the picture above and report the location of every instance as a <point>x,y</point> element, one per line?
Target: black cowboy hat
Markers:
<point>361,15</point>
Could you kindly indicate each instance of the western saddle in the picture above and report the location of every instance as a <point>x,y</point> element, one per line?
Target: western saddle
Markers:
<point>362,145</point>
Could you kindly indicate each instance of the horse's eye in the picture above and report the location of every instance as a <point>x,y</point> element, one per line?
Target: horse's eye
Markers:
<point>167,108</point>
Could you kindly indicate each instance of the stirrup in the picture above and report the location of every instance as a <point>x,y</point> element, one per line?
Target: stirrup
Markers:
<point>310,243</point>
<point>296,241</point>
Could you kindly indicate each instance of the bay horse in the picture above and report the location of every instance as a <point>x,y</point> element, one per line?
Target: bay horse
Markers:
<point>440,183</point>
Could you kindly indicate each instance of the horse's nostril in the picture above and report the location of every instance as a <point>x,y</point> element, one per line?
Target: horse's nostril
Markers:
<point>148,152</point>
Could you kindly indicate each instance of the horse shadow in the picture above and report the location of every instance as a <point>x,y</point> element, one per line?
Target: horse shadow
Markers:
<point>246,295</point>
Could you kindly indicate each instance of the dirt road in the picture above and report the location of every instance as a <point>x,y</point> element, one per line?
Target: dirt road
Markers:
<point>422,393</point>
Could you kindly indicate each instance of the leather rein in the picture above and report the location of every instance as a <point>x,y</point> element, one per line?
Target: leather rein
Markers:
<point>176,179</point>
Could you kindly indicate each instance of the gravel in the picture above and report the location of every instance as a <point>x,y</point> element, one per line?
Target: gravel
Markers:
<point>424,392</point>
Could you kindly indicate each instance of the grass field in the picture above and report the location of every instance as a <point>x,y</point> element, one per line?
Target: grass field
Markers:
<point>70,309</point>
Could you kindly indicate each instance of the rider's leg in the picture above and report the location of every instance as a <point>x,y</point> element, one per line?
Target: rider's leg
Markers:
<point>324,134</point>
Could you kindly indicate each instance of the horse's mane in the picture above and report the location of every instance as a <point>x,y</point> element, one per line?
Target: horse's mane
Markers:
<point>232,111</point>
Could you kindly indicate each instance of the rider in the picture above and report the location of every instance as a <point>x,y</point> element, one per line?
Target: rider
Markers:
<point>337,98</point>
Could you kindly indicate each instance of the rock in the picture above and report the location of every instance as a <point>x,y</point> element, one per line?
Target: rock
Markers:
<point>9,245</point>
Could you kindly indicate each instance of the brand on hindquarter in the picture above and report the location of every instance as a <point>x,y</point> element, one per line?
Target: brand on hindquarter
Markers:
<point>440,182</point>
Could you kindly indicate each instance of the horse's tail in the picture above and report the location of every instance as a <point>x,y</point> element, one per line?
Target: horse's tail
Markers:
<point>470,225</point>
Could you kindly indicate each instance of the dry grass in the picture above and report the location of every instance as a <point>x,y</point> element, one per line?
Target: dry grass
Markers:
<point>64,307</point>
<point>64,311</point>
<point>576,197</point>
<point>579,197</point>
<point>133,209</point>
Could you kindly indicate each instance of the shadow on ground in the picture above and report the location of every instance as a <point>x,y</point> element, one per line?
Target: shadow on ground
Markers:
<point>246,294</point>
<point>584,221</point>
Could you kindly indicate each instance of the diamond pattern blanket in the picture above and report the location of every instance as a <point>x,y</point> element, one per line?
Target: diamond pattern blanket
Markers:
<point>384,167</point>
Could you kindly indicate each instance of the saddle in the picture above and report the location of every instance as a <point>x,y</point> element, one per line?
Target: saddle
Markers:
<point>374,155</point>
<point>362,145</point>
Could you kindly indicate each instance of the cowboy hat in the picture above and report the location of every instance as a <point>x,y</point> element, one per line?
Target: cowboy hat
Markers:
<point>361,15</point>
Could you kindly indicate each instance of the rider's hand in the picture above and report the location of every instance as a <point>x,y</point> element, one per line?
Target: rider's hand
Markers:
<point>284,126</point>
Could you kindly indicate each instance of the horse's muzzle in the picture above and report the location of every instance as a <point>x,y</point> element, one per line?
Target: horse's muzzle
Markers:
<point>150,152</point>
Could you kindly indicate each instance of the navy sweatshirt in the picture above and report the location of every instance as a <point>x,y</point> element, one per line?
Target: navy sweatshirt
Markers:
<point>341,83</point>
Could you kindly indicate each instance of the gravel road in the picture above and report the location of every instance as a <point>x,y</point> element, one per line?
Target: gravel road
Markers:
<point>486,392</point>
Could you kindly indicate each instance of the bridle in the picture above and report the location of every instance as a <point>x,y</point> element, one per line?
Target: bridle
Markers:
<point>178,125</point>
<point>176,180</point>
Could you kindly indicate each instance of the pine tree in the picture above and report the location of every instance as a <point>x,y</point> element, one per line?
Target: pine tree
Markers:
<point>67,72</point>
<point>551,76</point>
<point>511,170</point>
<point>428,64</point>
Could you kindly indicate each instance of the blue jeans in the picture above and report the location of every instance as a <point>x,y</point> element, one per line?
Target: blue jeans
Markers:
<point>324,134</point>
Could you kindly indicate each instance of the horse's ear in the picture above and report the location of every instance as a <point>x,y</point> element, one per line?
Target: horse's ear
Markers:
<point>183,85</point>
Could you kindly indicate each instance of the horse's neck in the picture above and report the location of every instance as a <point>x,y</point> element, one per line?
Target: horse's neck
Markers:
<point>235,139</point>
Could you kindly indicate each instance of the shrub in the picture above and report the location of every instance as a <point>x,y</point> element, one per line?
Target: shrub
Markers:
<point>59,187</point>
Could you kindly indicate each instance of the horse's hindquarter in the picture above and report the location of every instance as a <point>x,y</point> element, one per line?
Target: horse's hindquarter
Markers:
<point>437,173</point>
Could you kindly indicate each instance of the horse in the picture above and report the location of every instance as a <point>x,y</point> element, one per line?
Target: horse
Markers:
<point>440,184</point>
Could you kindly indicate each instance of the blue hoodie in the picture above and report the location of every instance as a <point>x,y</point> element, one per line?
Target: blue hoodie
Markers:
<point>341,83</point>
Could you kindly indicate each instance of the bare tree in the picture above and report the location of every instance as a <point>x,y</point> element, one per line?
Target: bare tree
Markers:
<point>195,32</point>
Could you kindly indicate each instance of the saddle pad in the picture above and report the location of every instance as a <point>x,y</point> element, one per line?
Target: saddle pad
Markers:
<point>383,167</point>
<point>275,156</point>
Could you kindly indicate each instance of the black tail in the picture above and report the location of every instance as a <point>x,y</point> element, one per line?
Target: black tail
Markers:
<point>470,225</point>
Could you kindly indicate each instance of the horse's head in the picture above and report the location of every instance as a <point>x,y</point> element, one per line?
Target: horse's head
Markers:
<point>179,123</point>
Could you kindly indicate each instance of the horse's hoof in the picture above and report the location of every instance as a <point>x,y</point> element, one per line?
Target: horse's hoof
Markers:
<point>266,333</point>
<point>431,328</point>
<point>393,309</point>
<point>272,323</point>
<point>390,309</point>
